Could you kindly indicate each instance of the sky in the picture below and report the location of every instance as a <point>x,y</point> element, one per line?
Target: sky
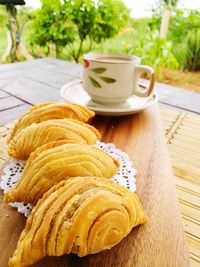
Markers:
<point>139,8</point>
<point>142,8</point>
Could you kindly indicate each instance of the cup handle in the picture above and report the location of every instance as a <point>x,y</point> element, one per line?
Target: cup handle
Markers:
<point>143,90</point>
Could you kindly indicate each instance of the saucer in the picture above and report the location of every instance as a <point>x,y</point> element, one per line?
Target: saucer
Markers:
<point>74,92</point>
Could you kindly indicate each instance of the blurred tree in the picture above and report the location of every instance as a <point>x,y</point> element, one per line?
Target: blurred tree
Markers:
<point>82,14</point>
<point>168,5</point>
<point>3,16</point>
<point>111,17</point>
<point>192,50</point>
<point>71,22</point>
<point>181,22</point>
<point>184,34</point>
<point>96,21</point>
<point>53,25</point>
<point>15,47</point>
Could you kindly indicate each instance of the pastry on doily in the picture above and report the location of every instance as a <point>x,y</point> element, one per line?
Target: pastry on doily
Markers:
<point>51,163</point>
<point>83,215</point>
<point>51,110</point>
<point>36,135</point>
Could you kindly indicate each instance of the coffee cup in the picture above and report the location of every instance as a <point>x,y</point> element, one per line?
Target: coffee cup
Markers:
<point>113,78</point>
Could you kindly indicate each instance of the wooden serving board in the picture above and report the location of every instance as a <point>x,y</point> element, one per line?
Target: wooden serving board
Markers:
<point>161,241</point>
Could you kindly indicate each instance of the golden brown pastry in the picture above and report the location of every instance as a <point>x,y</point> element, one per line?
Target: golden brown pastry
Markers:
<point>36,135</point>
<point>47,166</point>
<point>83,215</point>
<point>51,110</point>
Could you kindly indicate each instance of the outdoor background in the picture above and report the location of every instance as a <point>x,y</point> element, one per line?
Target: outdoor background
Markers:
<point>68,29</point>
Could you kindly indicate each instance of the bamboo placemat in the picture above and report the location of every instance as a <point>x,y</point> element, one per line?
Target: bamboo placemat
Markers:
<point>182,132</point>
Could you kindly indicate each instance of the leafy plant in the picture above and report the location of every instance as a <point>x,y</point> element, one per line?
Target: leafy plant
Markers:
<point>3,16</point>
<point>95,22</point>
<point>182,23</point>
<point>192,50</point>
<point>111,17</point>
<point>155,51</point>
<point>14,20</point>
<point>82,15</point>
<point>170,2</point>
<point>52,24</point>
<point>74,23</point>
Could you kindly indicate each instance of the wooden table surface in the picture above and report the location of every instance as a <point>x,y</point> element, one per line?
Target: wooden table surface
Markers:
<point>158,243</point>
<point>28,83</point>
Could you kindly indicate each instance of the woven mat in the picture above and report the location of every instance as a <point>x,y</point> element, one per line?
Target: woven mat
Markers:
<point>182,132</point>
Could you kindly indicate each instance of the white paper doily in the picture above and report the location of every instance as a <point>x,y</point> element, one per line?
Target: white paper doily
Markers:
<point>125,176</point>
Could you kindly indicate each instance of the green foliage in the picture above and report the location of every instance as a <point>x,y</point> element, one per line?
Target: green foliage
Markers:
<point>192,50</point>
<point>111,17</point>
<point>144,43</point>
<point>3,40</point>
<point>3,16</point>
<point>82,15</point>
<point>123,42</point>
<point>77,26</point>
<point>157,12</point>
<point>170,2</point>
<point>52,25</point>
<point>3,21</point>
<point>71,23</point>
<point>155,51</point>
<point>140,24</point>
<point>155,21</point>
<point>96,22</point>
<point>25,13</point>
<point>182,23</point>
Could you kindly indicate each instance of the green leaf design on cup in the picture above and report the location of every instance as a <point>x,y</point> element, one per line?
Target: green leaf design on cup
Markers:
<point>94,82</point>
<point>91,105</point>
<point>98,70</point>
<point>107,79</point>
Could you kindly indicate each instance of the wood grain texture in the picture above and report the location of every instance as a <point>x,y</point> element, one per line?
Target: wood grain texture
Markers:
<point>11,114</point>
<point>9,102</point>
<point>158,243</point>
<point>3,95</point>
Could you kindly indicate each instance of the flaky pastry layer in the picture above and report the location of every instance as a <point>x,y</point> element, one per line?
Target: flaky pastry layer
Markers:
<point>83,215</point>
<point>53,162</point>
<point>36,135</point>
<point>51,110</point>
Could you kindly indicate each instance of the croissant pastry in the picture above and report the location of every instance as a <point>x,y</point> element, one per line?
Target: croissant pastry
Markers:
<point>51,110</point>
<point>53,162</point>
<point>36,135</point>
<point>83,215</point>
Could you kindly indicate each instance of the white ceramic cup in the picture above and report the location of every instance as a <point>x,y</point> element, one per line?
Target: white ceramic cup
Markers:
<point>113,78</point>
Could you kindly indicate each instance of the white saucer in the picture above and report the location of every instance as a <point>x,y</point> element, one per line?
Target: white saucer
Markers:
<point>74,92</point>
